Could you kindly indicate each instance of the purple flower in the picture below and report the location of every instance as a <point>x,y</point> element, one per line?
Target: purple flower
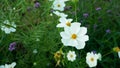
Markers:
<point>37,4</point>
<point>98,8</point>
<point>12,46</point>
<point>108,31</point>
<point>94,52</point>
<point>85,15</point>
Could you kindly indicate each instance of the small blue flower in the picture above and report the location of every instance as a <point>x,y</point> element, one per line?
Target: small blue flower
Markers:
<point>108,31</point>
<point>94,52</point>
<point>12,46</point>
<point>37,5</point>
<point>98,8</point>
<point>85,15</point>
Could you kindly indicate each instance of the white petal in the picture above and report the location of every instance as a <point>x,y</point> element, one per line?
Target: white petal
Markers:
<point>80,45</point>
<point>70,20</point>
<point>83,31</point>
<point>13,64</point>
<point>12,29</point>
<point>83,38</point>
<point>75,28</point>
<point>73,42</point>
<point>7,31</point>
<point>6,66</point>
<point>65,42</point>
<point>99,56</point>
<point>62,20</point>
<point>60,25</point>
<point>67,30</point>
<point>2,28</point>
<point>65,35</point>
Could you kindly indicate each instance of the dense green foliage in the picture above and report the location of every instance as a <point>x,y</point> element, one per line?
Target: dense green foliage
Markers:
<point>36,23</point>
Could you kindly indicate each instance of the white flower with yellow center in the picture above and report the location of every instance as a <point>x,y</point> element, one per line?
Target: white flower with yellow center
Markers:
<point>59,5</point>
<point>91,59</point>
<point>8,27</point>
<point>71,56</point>
<point>64,22</point>
<point>60,14</point>
<point>74,36</point>
<point>12,65</point>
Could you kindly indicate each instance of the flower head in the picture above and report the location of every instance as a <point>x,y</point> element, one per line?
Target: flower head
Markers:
<point>71,56</point>
<point>74,36</point>
<point>59,5</point>
<point>37,4</point>
<point>85,15</point>
<point>91,59</point>
<point>12,46</point>
<point>58,55</point>
<point>8,27</point>
<point>108,31</point>
<point>64,22</point>
<point>12,65</point>
<point>98,8</point>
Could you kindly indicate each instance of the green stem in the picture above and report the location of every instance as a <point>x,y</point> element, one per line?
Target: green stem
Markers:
<point>108,53</point>
<point>76,11</point>
<point>61,47</point>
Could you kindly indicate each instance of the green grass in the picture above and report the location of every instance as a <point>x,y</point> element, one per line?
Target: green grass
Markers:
<point>37,23</point>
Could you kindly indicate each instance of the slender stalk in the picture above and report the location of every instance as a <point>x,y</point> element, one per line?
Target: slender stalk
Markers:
<point>76,12</point>
<point>107,53</point>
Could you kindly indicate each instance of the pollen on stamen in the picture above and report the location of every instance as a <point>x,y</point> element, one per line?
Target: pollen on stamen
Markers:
<point>68,24</point>
<point>92,59</point>
<point>58,5</point>
<point>71,56</point>
<point>74,36</point>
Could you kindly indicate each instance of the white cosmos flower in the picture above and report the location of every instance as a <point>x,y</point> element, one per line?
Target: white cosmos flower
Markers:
<point>74,36</point>
<point>58,5</point>
<point>91,59</point>
<point>60,14</point>
<point>8,27</point>
<point>12,65</point>
<point>119,54</point>
<point>71,56</point>
<point>64,22</point>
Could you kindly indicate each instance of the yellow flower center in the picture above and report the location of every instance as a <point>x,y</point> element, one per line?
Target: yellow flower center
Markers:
<point>74,36</point>
<point>71,56</point>
<point>68,24</point>
<point>58,5</point>
<point>92,59</point>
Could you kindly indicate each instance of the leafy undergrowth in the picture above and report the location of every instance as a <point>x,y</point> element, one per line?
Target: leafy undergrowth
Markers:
<point>36,29</point>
